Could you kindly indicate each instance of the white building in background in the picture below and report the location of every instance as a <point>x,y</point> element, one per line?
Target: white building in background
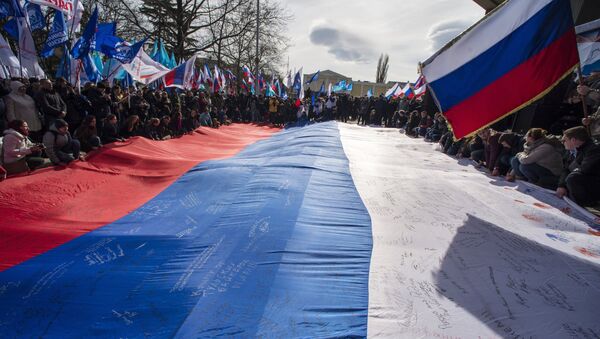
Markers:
<point>359,88</point>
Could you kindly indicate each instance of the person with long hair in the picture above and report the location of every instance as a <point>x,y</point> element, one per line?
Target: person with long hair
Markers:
<point>131,127</point>
<point>87,134</point>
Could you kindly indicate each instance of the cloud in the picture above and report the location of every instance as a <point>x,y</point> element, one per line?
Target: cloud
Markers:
<point>345,46</point>
<point>442,32</point>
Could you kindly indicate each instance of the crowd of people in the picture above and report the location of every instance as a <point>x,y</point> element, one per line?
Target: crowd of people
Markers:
<point>568,163</point>
<point>53,123</point>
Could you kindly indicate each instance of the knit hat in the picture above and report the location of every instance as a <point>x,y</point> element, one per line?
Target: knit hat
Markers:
<point>15,85</point>
<point>58,123</point>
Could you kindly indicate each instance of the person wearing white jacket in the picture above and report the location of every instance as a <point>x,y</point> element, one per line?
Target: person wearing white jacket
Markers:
<point>19,153</point>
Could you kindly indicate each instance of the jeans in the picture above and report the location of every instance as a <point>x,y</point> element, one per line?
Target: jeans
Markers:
<point>70,151</point>
<point>583,189</point>
<point>534,173</point>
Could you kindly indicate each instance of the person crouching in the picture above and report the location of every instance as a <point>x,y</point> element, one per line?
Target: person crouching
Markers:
<point>19,154</point>
<point>61,148</point>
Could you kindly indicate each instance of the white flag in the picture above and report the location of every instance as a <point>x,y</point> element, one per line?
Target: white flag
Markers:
<point>8,59</point>
<point>66,6</point>
<point>27,52</point>
<point>144,69</point>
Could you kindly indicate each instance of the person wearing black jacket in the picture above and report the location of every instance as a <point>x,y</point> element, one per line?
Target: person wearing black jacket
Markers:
<point>78,107</point>
<point>580,179</point>
<point>50,103</point>
<point>110,130</point>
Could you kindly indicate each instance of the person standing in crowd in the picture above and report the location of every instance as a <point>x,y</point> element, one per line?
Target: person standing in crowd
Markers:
<point>50,103</point>
<point>61,148</point>
<point>4,91</point>
<point>580,180</point>
<point>99,96</point>
<point>87,134</point>
<point>330,107</point>
<point>20,106</point>
<point>78,107</point>
<point>19,153</point>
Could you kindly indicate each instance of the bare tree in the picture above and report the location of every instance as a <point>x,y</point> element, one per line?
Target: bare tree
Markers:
<point>273,42</point>
<point>382,68</point>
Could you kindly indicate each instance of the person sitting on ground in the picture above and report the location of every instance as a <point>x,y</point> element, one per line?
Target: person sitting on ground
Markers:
<point>424,123</point>
<point>223,118</point>
<point>61,148</point>
<point>214,115</point>
<point>540,163</point>
<point>110,130</point>
<point>580,179</point>
<point>492,149</point>
<point>476,149</point>
<point>176,124</point>
<point>412,124</point>
<point>19,153</point>
<point>439,128</point>
<point>131,127</point>
<point>164,132</point>
<point>511,145</point>
<point>151,129</point>
<point>191,123</point>
<point>87,134</point>
<point>205,119</point>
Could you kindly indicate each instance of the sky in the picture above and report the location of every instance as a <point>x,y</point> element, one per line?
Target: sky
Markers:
<point>348,36</point>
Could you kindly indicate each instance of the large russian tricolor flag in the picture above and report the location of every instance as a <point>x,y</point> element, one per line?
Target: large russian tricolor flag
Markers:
<point>509,59</point>
<point>325,231</point>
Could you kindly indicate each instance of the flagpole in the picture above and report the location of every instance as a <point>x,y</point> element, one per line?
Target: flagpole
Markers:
<point>580,79</point>
<point>257,32</point>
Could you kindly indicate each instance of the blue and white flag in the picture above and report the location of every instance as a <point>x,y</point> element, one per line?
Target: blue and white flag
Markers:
<point>298,85</point>
<point>314,77</point>
<point>36,18</point>
<point>12,28</point>
<point>87,41</point>
<point>91,71</point>
<point>125,52</point>
<point>57,35</point>
<point>588,44</point>
<point>370,93</point>
<point>10,8</point>
<point>322,89</point>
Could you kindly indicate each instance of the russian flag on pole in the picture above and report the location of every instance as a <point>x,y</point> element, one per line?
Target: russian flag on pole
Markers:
<point>180,76</point>
<point>392,91</point>
<point>420,87</point>
<point>530,43</point>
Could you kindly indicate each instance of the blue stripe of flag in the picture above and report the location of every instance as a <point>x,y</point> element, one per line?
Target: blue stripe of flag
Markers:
<point>272,242</point>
